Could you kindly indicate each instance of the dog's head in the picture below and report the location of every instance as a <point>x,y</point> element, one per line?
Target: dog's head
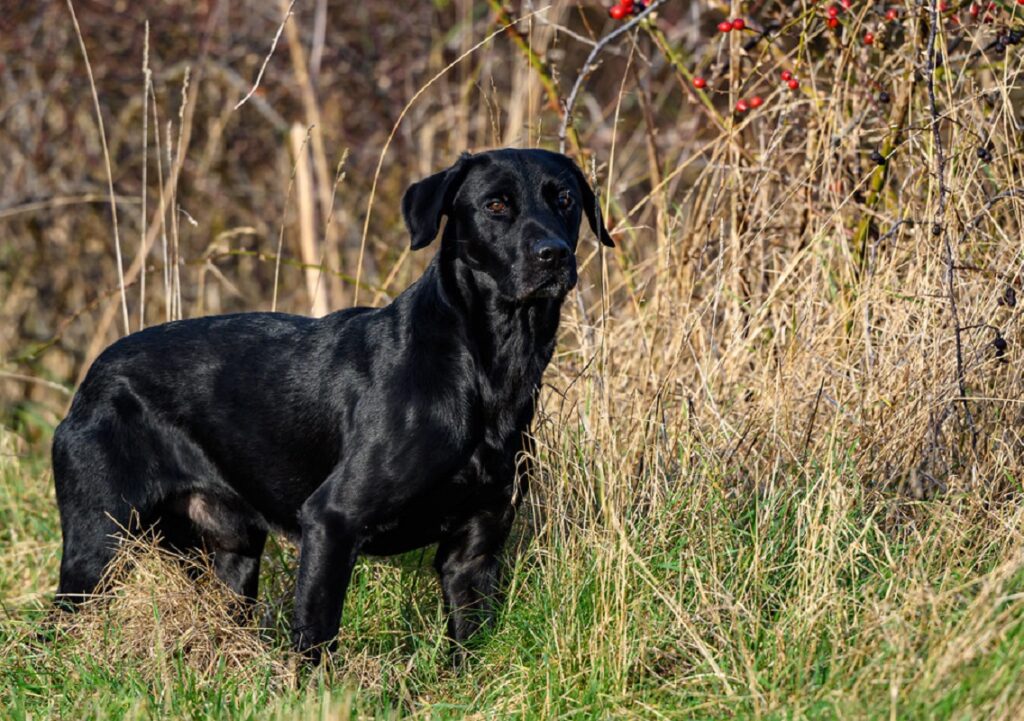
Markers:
<point>513,216</point>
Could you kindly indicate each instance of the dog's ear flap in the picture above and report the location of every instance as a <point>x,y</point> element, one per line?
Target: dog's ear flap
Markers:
<point>426,201</point>
<point>592,209</point>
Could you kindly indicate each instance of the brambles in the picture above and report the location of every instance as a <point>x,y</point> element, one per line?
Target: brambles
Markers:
<point>624,8</point>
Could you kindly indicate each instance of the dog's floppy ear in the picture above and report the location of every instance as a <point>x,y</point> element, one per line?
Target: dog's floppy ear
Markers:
<point>592,209</point>
<point>426,201</point>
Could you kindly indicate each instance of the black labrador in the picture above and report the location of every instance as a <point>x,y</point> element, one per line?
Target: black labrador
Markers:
<point>370,430</point>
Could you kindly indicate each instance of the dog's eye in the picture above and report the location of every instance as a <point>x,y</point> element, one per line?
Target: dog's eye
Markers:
<point>497,206</point>
<point>564,200</point>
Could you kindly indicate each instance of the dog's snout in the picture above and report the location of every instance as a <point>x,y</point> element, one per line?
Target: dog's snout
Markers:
<point>551,252</point>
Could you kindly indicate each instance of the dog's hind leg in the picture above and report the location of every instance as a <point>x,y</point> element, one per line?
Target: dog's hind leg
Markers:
<point>90,542</point>
<point>234,533</point>
<point>92,517</point>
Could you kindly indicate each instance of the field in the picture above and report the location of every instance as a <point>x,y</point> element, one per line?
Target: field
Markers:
<point>779,449</point>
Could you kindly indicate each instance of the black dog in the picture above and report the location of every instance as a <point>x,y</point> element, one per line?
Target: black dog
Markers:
<point>366,431</point>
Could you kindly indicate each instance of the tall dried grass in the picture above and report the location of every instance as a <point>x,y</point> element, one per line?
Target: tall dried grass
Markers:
<point>754,392</point>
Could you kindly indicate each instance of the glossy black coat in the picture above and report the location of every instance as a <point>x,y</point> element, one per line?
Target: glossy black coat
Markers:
<point>365,431</point>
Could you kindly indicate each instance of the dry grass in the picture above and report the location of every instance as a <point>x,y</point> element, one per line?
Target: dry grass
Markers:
<point>155,610</point>
<point>767,486</point>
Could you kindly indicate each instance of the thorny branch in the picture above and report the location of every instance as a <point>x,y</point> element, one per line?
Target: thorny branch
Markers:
<point>589,64</point>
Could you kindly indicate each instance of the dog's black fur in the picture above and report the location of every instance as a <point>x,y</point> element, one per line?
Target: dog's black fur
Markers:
<point>366,431</point>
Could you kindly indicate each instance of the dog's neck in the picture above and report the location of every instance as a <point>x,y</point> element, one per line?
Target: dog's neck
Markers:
<point>511,341</point>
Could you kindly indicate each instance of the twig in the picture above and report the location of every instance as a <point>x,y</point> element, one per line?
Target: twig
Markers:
<point>266,60</point>
<point>810,421</point>
<point>938,227</point>
<point>539,65</point>
<point>106,160</point>
<point>32,379</point>
<point>284,216</point>
<point>972,224</point>
<point>316,53</point>
<point>147,78</point>
<point>588,65</point>
<point>394,129</point>
<point>61,201</point>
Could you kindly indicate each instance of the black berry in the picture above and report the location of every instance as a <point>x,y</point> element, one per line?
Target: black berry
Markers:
<point>984,155</point>
<point>877,157</point>
<point>883,97</point>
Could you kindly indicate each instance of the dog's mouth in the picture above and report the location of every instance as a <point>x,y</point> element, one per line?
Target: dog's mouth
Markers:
<point>554,285</point>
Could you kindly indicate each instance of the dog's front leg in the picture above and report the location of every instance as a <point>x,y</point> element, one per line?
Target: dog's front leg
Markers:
<point>326,558</point>
<point>468,564</point>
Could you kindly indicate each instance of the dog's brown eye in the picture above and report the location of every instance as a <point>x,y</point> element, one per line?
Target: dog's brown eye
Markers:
<point>497,206</point>
<point>564,200</point>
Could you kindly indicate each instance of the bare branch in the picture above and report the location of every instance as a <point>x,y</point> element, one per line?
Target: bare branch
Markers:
<point>589,63</point>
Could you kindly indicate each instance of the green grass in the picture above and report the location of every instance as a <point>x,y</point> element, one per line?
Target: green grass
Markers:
<point>667,595</point>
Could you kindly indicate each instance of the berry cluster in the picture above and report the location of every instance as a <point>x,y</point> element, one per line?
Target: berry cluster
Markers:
<point>754,103</point>
<point>626,8</point>
<point>886,29</point>
<point>729,25</point>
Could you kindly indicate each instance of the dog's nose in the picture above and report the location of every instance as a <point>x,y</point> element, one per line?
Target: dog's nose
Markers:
<point>551,252</point>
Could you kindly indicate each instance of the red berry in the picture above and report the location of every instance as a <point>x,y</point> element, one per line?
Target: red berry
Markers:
<point>1020,2</point>
<point>738,24</point>
<point>617,12</point>
<point>943,6</point>
<point>891,15</point>
<point>742,106</point>
<point>756,101</point>
<point>833,11</point>
<point>847,4</point>
<point>724,26</point>
<point>628,4</point>
<point>833,23</point>
<point>700,83</point>
<point>954,20</point>
<point>869,39</point>
<point>974,10</point>
<point>793,84</point>
<point>786,75</point>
